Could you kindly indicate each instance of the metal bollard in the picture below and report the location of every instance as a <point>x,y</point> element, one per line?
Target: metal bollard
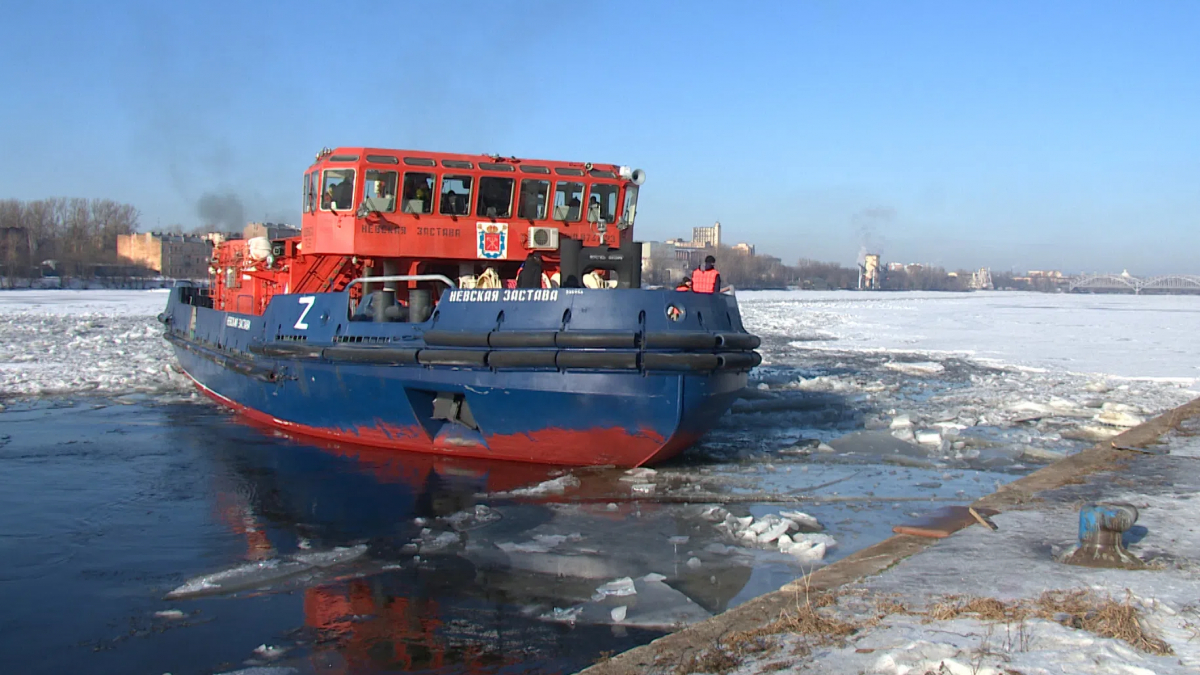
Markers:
<point>1101,527</point>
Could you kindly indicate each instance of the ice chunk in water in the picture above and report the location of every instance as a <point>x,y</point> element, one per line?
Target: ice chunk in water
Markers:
<point>618,613</point>
<point>335,556</point>
<point>805,521</point>
<point>253,575</point>
<point>262,573</point>
<point>622,586</point>
<point>929,438</point>
<point>554,486</point>
<point>774,532</point>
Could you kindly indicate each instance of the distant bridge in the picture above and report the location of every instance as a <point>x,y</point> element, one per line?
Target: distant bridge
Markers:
<point>1122,282</point>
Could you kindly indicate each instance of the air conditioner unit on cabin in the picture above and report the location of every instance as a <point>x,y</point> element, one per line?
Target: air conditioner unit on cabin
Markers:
<point>544,238</point>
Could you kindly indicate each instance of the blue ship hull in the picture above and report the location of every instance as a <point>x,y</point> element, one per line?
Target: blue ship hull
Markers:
<point>625,377</point>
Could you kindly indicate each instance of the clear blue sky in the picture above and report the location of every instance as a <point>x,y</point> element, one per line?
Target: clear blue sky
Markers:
<point>1011,134</point>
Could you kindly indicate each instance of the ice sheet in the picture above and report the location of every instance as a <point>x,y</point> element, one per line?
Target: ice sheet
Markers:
<point>1147,336</point>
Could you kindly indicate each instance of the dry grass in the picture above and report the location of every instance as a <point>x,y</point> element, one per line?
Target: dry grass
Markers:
<point>1079,609</point>
<point>986,609</point>
<point>1101,615</point>
<point>804,620</point>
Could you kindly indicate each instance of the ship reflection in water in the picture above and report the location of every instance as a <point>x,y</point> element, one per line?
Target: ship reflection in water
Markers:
<point>412,562</point>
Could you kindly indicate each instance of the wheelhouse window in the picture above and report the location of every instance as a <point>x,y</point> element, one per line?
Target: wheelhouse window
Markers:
<point>568,201</point>
<point>379,191</point>
<point>306,200</point>
<point>337,190</point>
<point>534,196</point>
<point>630,210</point>
<point>418,192</point>
<point>495,197</point>
<point>605,196</point>
<point>314,190</point>
<point>456,196</point>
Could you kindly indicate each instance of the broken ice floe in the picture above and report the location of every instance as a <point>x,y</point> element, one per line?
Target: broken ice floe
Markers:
<point>791,532</point>
<point>263,573</point>
<point>541,543</point>
<point>645,602</point>
<point>916,368</point>
<point>616,587</point>
<point>548,487</point>
<point>469,519</point>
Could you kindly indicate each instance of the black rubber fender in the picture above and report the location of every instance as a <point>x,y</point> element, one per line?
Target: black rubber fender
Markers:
<point>519,358</point>
<point>476,358</point>
<point>738,341</point>
<point>689,340</point>
<point>568,339</point>
<point>228,361</point>
<point>294,350</point>
<point>684,361</point>
<point>521,339</point>
<point>739,360</point>
<point>597,360</point>
<point>455,338</point>
<point>393,356</point>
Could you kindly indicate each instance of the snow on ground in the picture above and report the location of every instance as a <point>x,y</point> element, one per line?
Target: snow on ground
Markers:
<point>59,342</point>
<point>1020,562</point>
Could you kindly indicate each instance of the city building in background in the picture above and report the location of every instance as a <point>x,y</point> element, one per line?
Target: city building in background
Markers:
<point>271,231</point>
<point>869,273</point>
<point>175,256</point>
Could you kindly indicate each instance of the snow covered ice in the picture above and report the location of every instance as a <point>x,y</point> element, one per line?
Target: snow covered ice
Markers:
<point>1014,378</point>
<point>61,342</point>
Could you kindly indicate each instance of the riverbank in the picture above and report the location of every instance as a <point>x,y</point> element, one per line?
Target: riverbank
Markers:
<point>983,601</point>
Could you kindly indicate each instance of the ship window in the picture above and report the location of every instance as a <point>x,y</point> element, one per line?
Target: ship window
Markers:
<point>630,210</point>
<point>343,158</point>
<point>606,197</point>
<point>382,159</point>
<point>602,173</point>
<point>306,199</point>
<point>457,164</point>
<point>568,197</point>
<point>314,189</point>
<point>562,171</point>
<point>379,191</point>
<point>534,195</point>
<point>492,166</point>
<point>533,168</point>
<point>337,190</point>
<point>495,197</point>
<point>456,195</point>
<point>418,192</point>
<point>419,161</point>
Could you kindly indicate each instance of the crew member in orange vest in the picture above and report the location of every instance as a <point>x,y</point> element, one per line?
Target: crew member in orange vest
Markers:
<point>685,285</point>
<point>707,279</point>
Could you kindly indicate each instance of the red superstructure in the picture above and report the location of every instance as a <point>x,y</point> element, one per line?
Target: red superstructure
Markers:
<point>377,212</point>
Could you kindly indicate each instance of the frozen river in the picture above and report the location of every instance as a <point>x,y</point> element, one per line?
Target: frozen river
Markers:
<point>118,487</point>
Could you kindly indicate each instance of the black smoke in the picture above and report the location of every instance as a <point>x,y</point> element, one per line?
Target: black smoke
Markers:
<point>225,211</point>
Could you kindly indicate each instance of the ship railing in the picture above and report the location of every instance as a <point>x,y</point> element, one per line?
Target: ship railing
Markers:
<point>404,277</point>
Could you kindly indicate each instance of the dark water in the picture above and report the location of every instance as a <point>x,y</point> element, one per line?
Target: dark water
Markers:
<point>104,510</point>
<point>108,506</point>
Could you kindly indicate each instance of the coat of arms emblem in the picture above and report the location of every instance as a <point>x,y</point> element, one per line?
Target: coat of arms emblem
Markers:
<point>492,241</point>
